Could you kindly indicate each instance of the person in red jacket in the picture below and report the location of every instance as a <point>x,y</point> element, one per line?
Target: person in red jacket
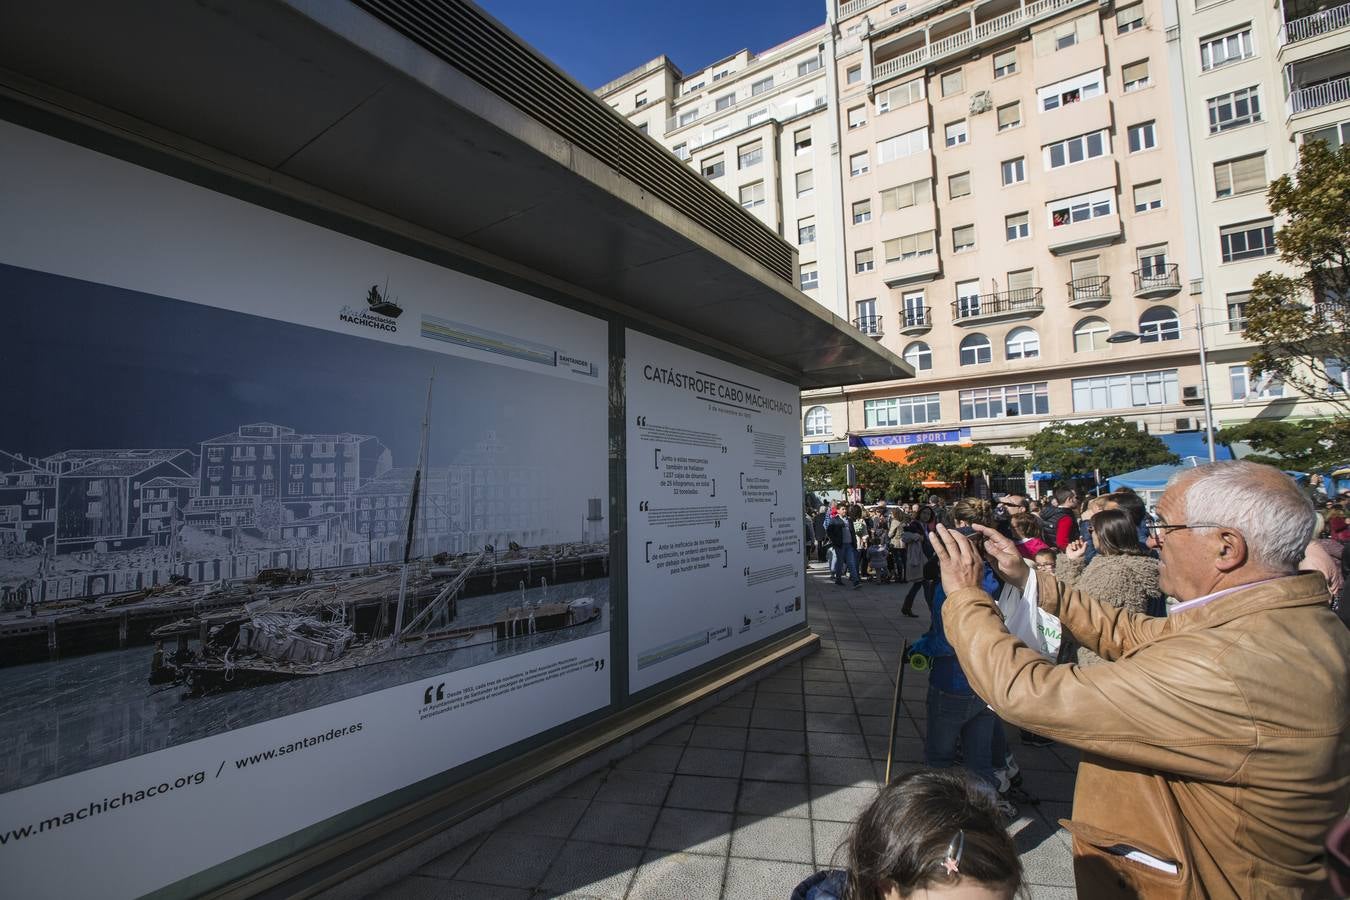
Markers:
<point>1061,522</point>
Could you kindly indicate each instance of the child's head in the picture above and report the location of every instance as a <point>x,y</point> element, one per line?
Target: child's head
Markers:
<point>1025,525</point>
<point>1045,559</point>
<point>931,831</point>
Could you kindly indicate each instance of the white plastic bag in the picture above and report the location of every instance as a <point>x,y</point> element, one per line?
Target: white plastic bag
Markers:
<point>1026,621</point>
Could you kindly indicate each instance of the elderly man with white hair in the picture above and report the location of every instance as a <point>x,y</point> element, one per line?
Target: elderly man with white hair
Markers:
<point>1215,749</point>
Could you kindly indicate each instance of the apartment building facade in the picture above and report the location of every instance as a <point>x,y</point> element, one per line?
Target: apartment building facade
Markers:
<point>1020,181</point>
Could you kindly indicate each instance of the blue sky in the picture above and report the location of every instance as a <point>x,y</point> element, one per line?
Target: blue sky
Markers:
<point>596,41</point>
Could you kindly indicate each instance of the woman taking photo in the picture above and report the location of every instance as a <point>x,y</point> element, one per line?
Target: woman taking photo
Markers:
<point>1120,574</point>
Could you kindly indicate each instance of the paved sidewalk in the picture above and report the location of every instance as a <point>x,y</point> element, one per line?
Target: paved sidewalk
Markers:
<point>755,794</point>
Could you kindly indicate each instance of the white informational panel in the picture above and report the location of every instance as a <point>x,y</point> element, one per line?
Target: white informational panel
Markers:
<point>222,426</point>
<point>715,521</point>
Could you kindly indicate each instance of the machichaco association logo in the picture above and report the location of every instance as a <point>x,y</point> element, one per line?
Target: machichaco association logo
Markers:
<point>380,311</point>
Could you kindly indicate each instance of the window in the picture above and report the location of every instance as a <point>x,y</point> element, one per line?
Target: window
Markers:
<point>640,99</point>
<point>862,212</point>
<point>1247,388</point>
<point>806,230</point>
<point>1159,324</point>
<point>1022,343</point>
<point>801,141</point>
<point>723,73</point>
<point>1014,171</point>
<point>976,350</point>
<point>1240,176</point>
<point>896,97</point>
<point>952,83</point>
<point>1070,90</point>
<point>688,116</point>
<point>1072,210</point>
<point>726,101</point>
<point>1335,136</point>
<point>1075,149</point>
<point>694,86</point>
<point>720,131</point>
<point>902,145</point>
<point>1065,35</point>
<point>1338,375</point>
<point>866,319</point>
<point>907,195</point>
<point>913,310</point>
<point>1090,334</point>
<point>818,422</point>
<point>1249,240</point>
<point>1129,18</point>
<point>909,246</point>
<point>1223,49</point>
<point>963,238</point>
<point>1005,62</point>
<point>807,66</point>
<point>1022,284</point>
<point>1135,75</point>
<point>1234,110</point>
<point>1010,115</point>
<point>857,163</point>
<point>967,299</point>
<point>1147,196</point>
<point>862,261</point>
<point>714,167</point>
<point>899,411</point>
<point>810,277</point>
<point>857,116</point>
<point>957,133</point>
<point>1000,402</point>
<point>752,195</point>
<point>958,185</point>
<point>748,155</point>
<point>1016,226</point>
<point>1137,389</point>
<point>758,115</point>
<point>806,183</point>
<point>853,74</point>
<point>919,356</point>
<point>1152,261</point>
<point>1142,137</point>
<point>681,150</point>
<point>761,86</point>
<point>1086,267</point>
<point>1237,310</point>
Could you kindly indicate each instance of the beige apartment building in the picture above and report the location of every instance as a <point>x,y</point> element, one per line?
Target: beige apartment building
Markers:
<point>1019,181</point>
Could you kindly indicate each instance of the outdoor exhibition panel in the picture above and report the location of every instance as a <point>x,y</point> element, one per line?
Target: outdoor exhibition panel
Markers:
<point>715,556</point>
<point>248,470</point>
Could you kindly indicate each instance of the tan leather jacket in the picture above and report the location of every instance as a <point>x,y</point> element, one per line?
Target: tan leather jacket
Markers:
<point>1215,741</point>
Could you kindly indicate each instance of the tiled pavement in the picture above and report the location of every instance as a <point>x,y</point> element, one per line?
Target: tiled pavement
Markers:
<point>753,795</point>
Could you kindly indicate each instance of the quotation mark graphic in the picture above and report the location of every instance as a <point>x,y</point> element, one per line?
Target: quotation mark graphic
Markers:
<point>440,693</point>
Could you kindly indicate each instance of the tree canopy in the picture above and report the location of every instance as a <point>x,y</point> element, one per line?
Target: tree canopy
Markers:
<point>1307,446</point>
<point>1108,445</point>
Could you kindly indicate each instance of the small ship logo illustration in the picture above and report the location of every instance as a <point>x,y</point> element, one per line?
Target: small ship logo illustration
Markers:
<point>381,303</point>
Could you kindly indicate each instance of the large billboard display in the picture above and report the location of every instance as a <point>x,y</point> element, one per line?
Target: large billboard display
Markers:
<point>715,519</point>
<point>288,522</point>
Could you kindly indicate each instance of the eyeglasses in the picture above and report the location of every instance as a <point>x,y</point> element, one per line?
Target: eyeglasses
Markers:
<point>1157,528</point>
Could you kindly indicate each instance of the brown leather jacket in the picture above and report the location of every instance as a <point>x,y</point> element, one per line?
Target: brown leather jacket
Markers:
<point>1216,740</point>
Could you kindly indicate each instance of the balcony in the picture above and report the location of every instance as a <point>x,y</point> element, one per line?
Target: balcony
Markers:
<point>1316,96</point>
<point>1090,292</point>
<point>983,32</point>
<point>1005,306</point>
<point>869,325</point>
<point>1157,282</point>
<point>1314,26</point>
<point>916,320</point>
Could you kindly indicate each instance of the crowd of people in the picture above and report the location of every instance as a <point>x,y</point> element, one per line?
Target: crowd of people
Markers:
<point>1198,665</point>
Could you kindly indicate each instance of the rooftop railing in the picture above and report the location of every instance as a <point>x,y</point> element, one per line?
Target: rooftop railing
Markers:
<point>1315,25</point>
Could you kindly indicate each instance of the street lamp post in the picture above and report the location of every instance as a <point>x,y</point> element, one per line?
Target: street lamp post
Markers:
<point>1124,337</point>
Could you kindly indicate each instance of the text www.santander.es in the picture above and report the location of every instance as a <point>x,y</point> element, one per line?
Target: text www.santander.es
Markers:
<point>127,798</point>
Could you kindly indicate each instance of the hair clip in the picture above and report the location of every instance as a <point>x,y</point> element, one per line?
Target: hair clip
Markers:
<point>952,861</point>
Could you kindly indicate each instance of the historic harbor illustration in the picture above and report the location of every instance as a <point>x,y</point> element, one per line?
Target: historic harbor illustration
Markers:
<point>168,499</point>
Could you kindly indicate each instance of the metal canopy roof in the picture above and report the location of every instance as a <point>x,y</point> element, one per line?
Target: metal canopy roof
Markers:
<point>325,103</point>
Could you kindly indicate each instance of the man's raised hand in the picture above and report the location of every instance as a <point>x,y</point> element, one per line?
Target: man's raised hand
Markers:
<point>962,566</point>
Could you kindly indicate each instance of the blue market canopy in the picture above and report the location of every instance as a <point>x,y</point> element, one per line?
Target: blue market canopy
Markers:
<point>1153,478</point>
<point>1192,443</point>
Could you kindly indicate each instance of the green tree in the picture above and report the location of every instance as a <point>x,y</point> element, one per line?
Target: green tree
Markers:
<point>957,463</point>
<point>881,479</point>
<point>823,473</point>
<point>1302,321</point>
<point>1307,446</point>
<point>1109,445</point>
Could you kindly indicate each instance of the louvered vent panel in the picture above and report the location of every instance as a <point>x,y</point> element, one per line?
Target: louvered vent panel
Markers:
<point>463,37</point>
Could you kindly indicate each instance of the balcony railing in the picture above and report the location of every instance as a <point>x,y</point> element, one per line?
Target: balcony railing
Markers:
<point>1157,281</point>
<point>1092,290</point>
<point>1316,96</point>
<point>868,325</point>
<point>916,319</point>
<point>985,31</point>
<point>1315,25</point>
<point>1020,301</point>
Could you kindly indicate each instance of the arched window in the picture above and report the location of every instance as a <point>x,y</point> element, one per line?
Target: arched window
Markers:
<point>818,422</point>
<point>919,356</point>
<point>1022,343</point>
<point>976,350</point>
<point>1090,334</point>
<point>1159,324</point>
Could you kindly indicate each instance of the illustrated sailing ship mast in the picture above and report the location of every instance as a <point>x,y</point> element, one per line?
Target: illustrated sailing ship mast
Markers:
<point>413,498</point>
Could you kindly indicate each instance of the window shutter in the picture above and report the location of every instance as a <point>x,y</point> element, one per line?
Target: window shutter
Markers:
<point>963,235</point>
<point>806,180</point>
<point>1148,193</point>
<point>1022,280</point>
<point>1009,115</point>
<point>1129,15</point>
<point>1223,179</point>
<point>1043,42</point>
<point>1005,58</point>
<point>1249,173</point>
<point>1083,268</point>
<point>891,248</point>
<point>960,184</point>
<point>1087,27</point>
<point>1135,71</point>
